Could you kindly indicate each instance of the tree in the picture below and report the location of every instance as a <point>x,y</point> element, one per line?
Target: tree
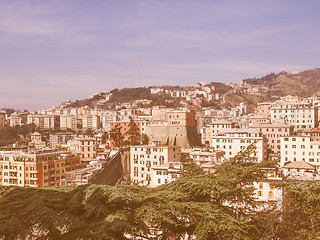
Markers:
<point>116,135</point>
<point>133,133</point>
<point>193,205</point>
<point>145,139</point>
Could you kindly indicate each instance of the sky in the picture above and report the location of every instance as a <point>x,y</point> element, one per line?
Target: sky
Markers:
<point>51,50</point>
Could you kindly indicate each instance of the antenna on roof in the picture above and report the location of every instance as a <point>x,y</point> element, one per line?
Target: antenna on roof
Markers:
<point>136,72</point>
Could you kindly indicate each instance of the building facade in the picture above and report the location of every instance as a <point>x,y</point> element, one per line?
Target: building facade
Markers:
<point>232,141</point>
<point>39,169</point>
<point>144,157</point>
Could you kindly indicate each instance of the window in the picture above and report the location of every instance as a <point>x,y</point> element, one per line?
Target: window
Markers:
<point>270,194</point>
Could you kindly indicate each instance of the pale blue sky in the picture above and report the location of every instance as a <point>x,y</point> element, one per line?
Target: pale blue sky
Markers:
<point>54,50</point>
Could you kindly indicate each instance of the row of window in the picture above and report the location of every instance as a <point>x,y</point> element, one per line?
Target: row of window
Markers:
<point>153,149</point>
<point>303,153</point>
<point>301,146</point>
<point>303,159</point>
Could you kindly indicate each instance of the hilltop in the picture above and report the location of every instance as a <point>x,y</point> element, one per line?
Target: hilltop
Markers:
<point>303,84</point>
<point>250,91</point>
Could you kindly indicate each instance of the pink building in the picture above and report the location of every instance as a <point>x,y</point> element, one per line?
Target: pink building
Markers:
<point>259,119</point>
<point>314,134</point>
<point>273,133</point>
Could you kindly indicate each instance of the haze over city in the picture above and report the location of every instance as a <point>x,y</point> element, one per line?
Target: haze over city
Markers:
<point>57,50</point>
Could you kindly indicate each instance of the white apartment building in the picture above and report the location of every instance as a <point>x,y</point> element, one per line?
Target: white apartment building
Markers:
<point>15,120</point>
<point>42,120</point>
<point>144,157</point>
<point>296,148</point>
<point>203,155</point>
<point>165,173</point>
<point>216,126</point>
<point>90,121</point>
<point>301,115</point>
<point>267,194</point>
<point>234,140</point>
<point>68,121</point>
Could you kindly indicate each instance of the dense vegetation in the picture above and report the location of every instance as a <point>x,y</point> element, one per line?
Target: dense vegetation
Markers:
<point>9,135</point>
<point>220,88</point>
<point>193,205</point>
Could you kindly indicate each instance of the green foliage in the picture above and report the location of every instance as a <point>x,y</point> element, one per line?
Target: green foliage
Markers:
<point>145,139</point>
<point>302,215</point>
<point>133,133</point>
<point>10,135</point>
<point>192,205</point>
<point>199,204</point>
<point>116,136</point>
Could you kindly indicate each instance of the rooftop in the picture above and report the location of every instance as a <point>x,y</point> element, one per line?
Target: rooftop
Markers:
<point>240,130</point>
<point>300,165</point>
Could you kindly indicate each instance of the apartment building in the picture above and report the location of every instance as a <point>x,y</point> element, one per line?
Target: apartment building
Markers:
<point>313,133</point>
<point>259,119</point>
<point>234,140</point>
<point>165,173</point>
<point>300,148</point>
<point>86,147</point>
<point>15,120</point>
<point>91,121</point>
<point>216,126</point>
<point>38,169</point>
<point>68,122</point>
<point>206,155</point>
<point>59,138</point>
<point>144,157</point>
<point>44,121</point>
<point>273,132</point>
<point>302,115</point>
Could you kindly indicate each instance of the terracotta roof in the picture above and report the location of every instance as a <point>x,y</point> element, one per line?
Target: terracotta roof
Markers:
<point>300,165</point>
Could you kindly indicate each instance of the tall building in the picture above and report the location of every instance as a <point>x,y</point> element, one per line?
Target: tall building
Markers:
<point>180,129</point>
<point>144,157</point>
<point>58,138</point>
<point>273,132</point>
<point>300,148</point>
<point>38,169</point>
<point>302,115</point>
<point>216,126</point>
<point>44,121</point>
<point>87,147</point>
<point>232,141</point>
<point>68,121</point>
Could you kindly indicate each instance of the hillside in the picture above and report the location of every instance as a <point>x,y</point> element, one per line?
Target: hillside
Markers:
<point>132,94</point>
<point>303,84</point>
<point>220,88</point>
<point>233,100</point>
